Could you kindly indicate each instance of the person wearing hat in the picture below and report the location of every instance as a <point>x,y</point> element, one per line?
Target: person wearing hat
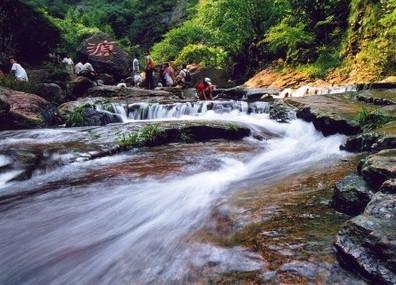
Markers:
<point>205,89</point>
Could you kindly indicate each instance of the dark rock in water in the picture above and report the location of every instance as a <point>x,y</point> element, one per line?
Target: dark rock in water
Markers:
<point>93,117</point>
<point>389,186</point>
<point>361,142</point>
<point>25,111</point>
<point>281,113</point>
<point>116,63</point>
<point>51,92</point>
<point>79,86</point>
<point>379,167</point>
<point>367,243</point>
<point>351,195</point>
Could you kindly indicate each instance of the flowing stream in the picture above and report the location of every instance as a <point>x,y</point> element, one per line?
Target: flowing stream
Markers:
<point>130,218</point>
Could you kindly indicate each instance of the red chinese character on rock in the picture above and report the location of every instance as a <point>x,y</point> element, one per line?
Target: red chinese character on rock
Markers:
<point>104,49</point>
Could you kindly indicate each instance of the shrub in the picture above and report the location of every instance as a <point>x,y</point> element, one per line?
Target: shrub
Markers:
<point>75,117</point>
<point>203,55</point>
<point>372,120</point>
<point>149,135</point>
<point>10,82</point>
<point>288,39</point>
<point>174,41</point>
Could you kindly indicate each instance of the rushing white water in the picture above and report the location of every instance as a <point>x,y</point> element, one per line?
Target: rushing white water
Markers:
<point>156,111</point>
<point>133,231</point>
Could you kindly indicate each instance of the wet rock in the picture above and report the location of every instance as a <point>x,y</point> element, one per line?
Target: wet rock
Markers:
<point>226,260</point>
<point>79,86</point>
<point>389,186</point>
<point>382,98</point>
<point>379,167</point>
<point>51,92</point>
<point>25,111</point>
<point>93,117</point>
<point>367,243</point>
<point>281,112</point>
<point>361,142</point>
<point>330,114</point>
<point>351,195</point>
<point>116,63</point>
<point>239,93</point>
<point>300,268</point>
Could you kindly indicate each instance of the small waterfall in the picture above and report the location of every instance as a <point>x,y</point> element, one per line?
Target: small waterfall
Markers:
<point>155,111</point>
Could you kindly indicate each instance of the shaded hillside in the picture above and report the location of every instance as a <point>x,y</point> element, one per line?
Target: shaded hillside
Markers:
<point>25,33</point>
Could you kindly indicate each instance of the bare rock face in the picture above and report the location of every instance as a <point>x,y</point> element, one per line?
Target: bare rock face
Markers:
<point>105,55</point>
<point>79,86</point>
<point>21,110</point>
<point>367,243</point>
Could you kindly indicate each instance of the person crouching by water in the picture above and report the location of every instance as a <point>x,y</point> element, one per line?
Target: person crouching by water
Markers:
<point>205,89</point>
<point>149,69</point>
<point>18,71</point>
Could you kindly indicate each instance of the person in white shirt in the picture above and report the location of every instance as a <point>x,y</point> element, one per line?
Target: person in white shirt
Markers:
<point>69,64</point>
<point>78,68</point>
<point>18,71</point>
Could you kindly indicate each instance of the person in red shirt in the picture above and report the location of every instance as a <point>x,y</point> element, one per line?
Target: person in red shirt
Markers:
<point>205,89</point>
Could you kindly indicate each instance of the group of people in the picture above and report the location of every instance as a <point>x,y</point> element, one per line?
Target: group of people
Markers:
<point>167,75</point>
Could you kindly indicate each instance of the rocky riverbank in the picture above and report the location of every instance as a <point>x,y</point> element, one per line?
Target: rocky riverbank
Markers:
<point>365,244</point>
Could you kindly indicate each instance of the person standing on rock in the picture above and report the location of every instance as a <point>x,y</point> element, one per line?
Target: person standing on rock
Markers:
<point>136,71</point>
<point>69,64</point>
<point>18,71</point>
<point>184,77</point>
<point>149,69</point>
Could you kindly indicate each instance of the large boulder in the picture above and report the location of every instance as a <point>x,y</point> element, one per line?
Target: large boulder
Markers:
<point>51,92</point>
<point>25,110</point>
<point>116,62</point>
<point>218,76</point>
<point>79,86</point>
<point>379,167</point>
<point>367,243</point>
<point>351,195</point>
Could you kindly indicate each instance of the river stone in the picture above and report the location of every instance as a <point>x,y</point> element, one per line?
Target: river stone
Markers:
<point>281,112</point>
<point>361,142</point>
<point>51,92</point>
<point>379,167</point>
<point>389,186</point>
<point>367,243</point>
<point>351,195</point>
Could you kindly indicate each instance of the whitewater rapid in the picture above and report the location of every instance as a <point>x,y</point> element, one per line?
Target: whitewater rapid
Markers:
<point>136,231</point>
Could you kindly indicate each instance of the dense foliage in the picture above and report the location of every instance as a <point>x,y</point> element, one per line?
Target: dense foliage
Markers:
<point>317,37</point>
